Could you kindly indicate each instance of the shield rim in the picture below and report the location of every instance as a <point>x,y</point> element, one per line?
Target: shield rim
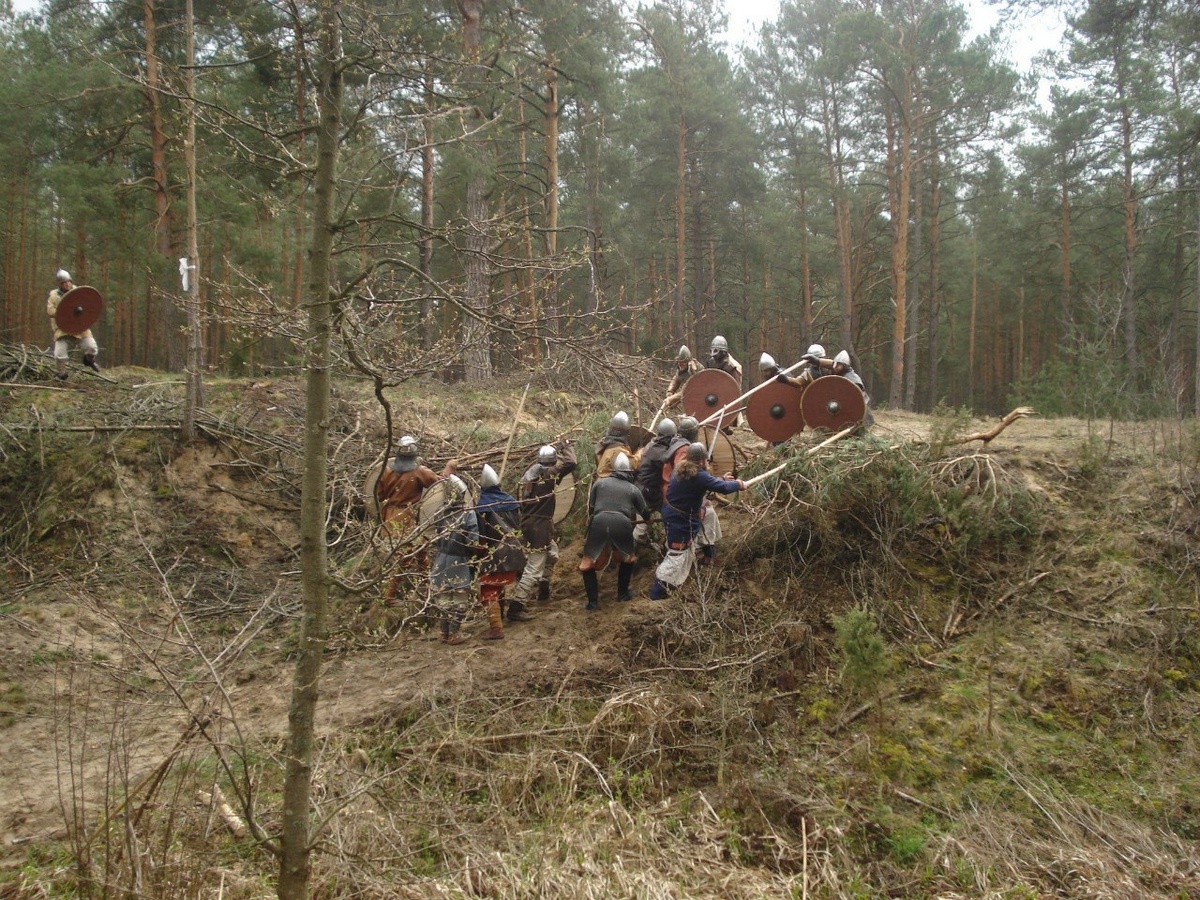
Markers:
<point>84,296</point>
<point>694,391</point>
<point>758,411</point>
<point>565,496</point>
<point>850,395</point>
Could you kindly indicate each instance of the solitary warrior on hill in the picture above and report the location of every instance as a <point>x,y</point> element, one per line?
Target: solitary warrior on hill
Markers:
<point>64,342</point>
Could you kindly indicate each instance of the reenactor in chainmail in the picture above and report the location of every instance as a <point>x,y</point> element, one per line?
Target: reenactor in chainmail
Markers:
<point>615,503</point>
<point>685,368</point>
<point>613,441</point>
<point>536,496</point>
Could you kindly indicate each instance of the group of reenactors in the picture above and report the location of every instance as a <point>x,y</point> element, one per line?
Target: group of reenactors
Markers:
<point>502,540</point>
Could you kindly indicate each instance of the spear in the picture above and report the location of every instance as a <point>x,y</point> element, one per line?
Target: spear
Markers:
<point>809,452</point>
<point>513,431</point>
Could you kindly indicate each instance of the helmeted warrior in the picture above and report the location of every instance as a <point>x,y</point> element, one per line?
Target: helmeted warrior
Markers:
<point>537,500</point>
<point>501,555</point>
<point>685,368</point>
<point>614,504</point>
<point>841,366</point>
<point>650,469</point>
<point>686,514</point>
<point>64,341</point>
<point>450,578</point>
<point>719,358</point>
<point>767,367</point>
<point>614,441</point>
<point>814,368</point>
<point>398,491</point>
<point>687,431</point>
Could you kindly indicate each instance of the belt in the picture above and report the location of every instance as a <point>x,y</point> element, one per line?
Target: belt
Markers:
<point>679,545</point>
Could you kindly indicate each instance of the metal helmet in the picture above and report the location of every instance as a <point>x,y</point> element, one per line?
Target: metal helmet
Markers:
<point>719,345</point>
<point>688,427</point>
<point>621,463</point>
<point>697,452</point>
<point>547,455</point>
<point>766,363</point>
<point>62,275</point>
<point>406,446</point>
<point>458,485</point>
<point>815,350</point>
<point>666,428</point>
<point>488,477</point>
<point>842,359</point>
<point>684,353</point>
<point>619,422</point>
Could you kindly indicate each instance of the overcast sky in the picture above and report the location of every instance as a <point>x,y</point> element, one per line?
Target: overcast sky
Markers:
<point>745,16</point>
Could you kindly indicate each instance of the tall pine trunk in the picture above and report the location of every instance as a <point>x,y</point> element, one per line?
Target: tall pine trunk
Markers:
<point>296,831</point>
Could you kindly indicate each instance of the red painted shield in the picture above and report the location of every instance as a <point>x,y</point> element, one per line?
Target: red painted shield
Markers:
<point>774,412</point>
<point>709,390</point>
<point>78,310</point>
<point>833,403</point>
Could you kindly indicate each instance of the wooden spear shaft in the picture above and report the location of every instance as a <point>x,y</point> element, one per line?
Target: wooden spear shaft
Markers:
<point>512,432</point>
<point>811,450</point>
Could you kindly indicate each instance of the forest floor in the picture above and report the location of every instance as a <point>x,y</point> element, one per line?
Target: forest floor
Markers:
<point>1034,734</point>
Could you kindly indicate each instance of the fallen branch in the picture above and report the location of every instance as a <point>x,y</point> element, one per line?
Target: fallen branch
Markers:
<point>216,800</point>
<point>986,436</point>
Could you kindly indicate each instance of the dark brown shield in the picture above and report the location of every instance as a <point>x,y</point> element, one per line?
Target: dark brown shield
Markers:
<point>639,437</point>
<point>78,310</point>
<point>709,390</point>
<point>833,403</point>
<point>723,458</point>
<point>564,497</point>
<point>773,413</point>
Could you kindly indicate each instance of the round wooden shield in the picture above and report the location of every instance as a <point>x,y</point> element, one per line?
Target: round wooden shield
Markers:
<point>564,498</point>
<point>723,458</point>
<point>773,413</point>
<point>432,501</point>
<point>370,501</point>
<point>833,403</point>
<point>707,391</point>
<point>639,437</point>
<point>78,310</point>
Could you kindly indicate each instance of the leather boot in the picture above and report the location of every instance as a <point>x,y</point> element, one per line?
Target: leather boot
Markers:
<point>89,360</point>
<point>496,621</point>
<point>624,574</point>
<point>60,366</point>
<point>543,591</point>
<point>518,612</point>
<point>591,584</point>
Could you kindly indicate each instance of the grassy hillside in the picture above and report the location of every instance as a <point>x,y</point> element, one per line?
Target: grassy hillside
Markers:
<point>919,669</point>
